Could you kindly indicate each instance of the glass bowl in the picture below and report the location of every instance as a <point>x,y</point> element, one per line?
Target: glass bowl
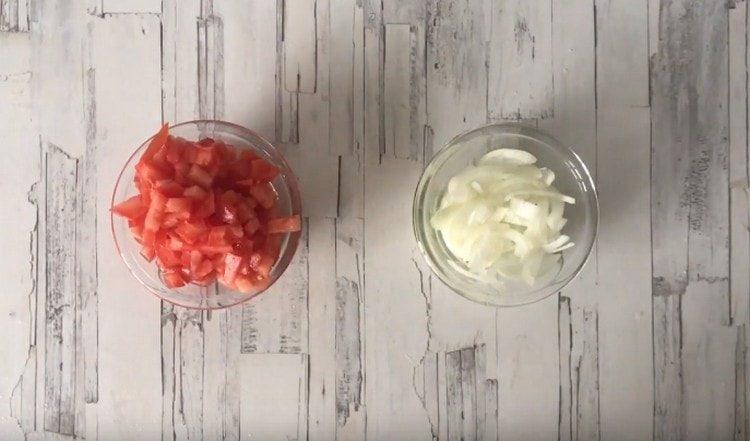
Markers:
<point>216,295</point>
<point>572,178</point>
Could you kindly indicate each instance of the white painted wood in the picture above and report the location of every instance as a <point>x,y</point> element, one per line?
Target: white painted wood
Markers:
<point>270,406</point>
<point>249,63</point>
<point>131,6</point>
<point>622,164</point>
<point>129,369</point>
<point>520,60</point>
<point>358,95</point>
<point>20,171</point>
<point>300,49</point>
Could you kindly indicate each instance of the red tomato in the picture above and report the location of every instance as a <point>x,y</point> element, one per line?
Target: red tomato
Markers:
<point>173,279</point>
<point>157,142</point>
<point>262,171</point>
<point>199,176</point>
<point>195,192</point>
<point>284,224</point>
<point>232,263</point>
<point>131,208</point>
<point>166,257</point>
<point>264,194</point>
<point>191,232</point>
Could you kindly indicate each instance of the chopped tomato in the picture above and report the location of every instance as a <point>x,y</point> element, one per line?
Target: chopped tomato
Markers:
<point>262,171</point>
<point>232,263</point>
<point>131,208</point>
<point>177,205</point>
<point>199,176</point>
<point>195,192</point>
<point>284,224</point>
<point>206,211</point>
<point>173,279</point>
<point>264,194</point>
<point>157,142</point>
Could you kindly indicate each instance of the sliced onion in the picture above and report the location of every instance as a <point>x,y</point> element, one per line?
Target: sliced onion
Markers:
<point>503,219</point>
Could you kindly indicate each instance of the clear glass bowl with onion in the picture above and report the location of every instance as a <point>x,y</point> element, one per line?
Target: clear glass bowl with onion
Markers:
<point>560,166</point>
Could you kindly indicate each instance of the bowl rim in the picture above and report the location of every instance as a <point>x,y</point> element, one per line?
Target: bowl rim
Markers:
<point>294,196</point>
<point>448,148</point>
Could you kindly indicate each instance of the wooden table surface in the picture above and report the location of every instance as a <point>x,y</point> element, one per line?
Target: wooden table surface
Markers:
<point>358,339</point>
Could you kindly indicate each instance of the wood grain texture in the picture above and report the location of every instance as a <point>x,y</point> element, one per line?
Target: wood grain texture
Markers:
<point>20,238</point>
<point>359,340</point>
<point>129,369</point>
<point>14,16</point>
<point>520,82</point>
<point>690,208</point>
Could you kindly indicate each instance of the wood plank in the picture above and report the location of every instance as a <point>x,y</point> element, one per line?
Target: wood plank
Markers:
<point>131,6</point>
<point>690,129</point>
<point>528,368</point>
<point>373,129</point>
<point>129,373</point>
<point>322,332</point>
<point>313,109</point>
<point>276,321</point>
<point>350,318</point>
<point>318,178</point>
<point>739,193</point>
<point>180,60</point>
<point>60,337</point>
<point>574,123</point>
<point>739,209</point>
<point>457,44</point>
<point>397,89</point>
<point>14,16</point>
<point>454,394</point>
<point>21,173</point>
<point>622,128</point>
<point>344,29</point>
<point>393,409</point>
<point>250,38</point>
<point>520,60</point>
<point>300,50</point>
<point>271,405</point>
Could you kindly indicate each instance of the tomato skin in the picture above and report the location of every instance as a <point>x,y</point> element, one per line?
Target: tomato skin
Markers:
<point>173,279</point>
<point>264,194</point>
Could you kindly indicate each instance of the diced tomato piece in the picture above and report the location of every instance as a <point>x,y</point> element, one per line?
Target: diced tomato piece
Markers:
<point>137,231</point>
<point>203,269</point>
<point>148,237</point>
<point>175,243</point>
<point>212,250</point>
<point>155,211</point>
<point>236,231</point>
<point>177,205</point>
<point>207,207</point>
<point>264,194</point>
<point>166,257</point>
<point>261,263</point>
<point>195,260</point>
<point>217,261</point>
<point>218,235</point>
<point>181,170</point>
<point>243,246</point>
<point>174,149</point>
<point>131,208</point>
<point>262,171</point>
<point>284,224</point>
<point>173,279</point>
<point>169,188</point>
<point>191,232</point>
<point>251,226</point>
<point>148,171</point>
<point>229,214</point>
<point>199,176</point>
<point>156,143</point>
<point>170,220</point>
<point>195,192</point>
<point>244,284</point>
<point>232,263</point>
<point>148,252</point>
<point>206,155</point>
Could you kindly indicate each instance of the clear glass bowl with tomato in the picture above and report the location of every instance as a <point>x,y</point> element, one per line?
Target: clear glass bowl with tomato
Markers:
<point>206,214</point>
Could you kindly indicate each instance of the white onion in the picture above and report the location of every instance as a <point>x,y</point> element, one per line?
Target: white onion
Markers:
<point>503,218</point>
